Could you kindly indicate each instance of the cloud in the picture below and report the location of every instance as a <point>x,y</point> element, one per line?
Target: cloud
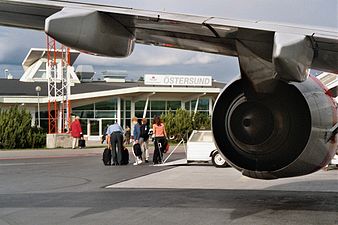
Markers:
<point>15,44</point>
<point>203,59</point>
<point>142,56</point>
<point>154,56</point>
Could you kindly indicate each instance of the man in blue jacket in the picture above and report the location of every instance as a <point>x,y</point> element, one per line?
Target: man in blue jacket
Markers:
<point>136,134</point>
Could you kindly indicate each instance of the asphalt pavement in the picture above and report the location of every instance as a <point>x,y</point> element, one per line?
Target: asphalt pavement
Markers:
<point>53,187</point>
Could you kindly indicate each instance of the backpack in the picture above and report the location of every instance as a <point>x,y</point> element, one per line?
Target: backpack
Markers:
<point>137,150</point>
<point>106,157</point>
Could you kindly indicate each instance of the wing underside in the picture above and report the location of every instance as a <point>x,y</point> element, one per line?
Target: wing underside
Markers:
<point>198,33</point>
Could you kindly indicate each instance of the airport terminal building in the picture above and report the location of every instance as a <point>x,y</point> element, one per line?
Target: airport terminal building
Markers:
<point>99,103</point>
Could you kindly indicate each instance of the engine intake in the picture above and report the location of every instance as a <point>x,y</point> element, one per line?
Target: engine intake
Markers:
<point>281,134</point>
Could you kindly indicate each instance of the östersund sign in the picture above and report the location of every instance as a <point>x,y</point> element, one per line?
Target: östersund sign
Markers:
<point>177,80</point>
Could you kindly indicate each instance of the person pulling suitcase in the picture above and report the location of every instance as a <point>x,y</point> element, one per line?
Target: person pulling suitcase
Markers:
<point>160,135</point>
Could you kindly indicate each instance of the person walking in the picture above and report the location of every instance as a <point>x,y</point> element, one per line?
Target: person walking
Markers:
<point>115,142</point>
<point>75,130</point>
<point>144,140</point>
<point>160,135</point>
<point>136,136</point>
<point>127,135</point>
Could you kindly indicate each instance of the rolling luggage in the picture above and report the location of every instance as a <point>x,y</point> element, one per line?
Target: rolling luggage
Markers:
<point>106,157</point>
<point>125,157</point>
<point>82,143</point>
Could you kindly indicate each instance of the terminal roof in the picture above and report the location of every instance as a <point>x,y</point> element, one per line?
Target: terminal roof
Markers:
<point>35,54</point>
<point>17,88</point>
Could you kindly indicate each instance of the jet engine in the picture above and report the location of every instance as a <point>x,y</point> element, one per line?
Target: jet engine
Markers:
<point>284,133</point>
<point>90,31</point>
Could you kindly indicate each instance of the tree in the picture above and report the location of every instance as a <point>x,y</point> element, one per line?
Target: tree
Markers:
<point>141,78</point>
<point>16,130</point>
<point>181,123</point>
<point>201,121</point>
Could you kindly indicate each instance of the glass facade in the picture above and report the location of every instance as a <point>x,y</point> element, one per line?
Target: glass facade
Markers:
<point>106,109</point>
<point>125,113</point>
<point>173,105</point>
<point>155,107</point>
<point>203,105</point>
<point>90,114</point>
<point>98,115</point>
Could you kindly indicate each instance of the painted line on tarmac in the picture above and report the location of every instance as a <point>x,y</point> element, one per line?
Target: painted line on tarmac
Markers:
<point>25,164</point>
<point>51,157</point>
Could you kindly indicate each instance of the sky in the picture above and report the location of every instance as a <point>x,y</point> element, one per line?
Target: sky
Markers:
<point>15,43</point>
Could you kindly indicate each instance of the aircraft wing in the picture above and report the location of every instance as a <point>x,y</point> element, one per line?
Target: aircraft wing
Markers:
<point>206,34</point>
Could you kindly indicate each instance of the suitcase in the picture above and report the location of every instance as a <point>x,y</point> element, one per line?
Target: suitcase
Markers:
<point>125,157</point>
<point>82,143</point>
<point>106,157</point>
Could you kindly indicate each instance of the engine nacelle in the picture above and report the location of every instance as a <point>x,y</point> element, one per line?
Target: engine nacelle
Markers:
<point>90,31</point>
<point>282,134</point>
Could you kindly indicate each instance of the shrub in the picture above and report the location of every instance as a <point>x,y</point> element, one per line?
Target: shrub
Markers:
<point>181,123</point>
<point>16,130</point>
<point>201,121</point>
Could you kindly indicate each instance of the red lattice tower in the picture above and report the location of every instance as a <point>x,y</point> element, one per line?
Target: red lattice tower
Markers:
<point>51,69</point>
<point>58,74</point>
<point>65,84</point>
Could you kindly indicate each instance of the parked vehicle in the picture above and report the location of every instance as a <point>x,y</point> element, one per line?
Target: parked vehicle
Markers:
<point>201,148</point>
<point>217,159</point>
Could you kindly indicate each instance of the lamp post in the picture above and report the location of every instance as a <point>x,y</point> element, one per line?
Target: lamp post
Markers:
<point>38,90</point>
<point>6,72</point>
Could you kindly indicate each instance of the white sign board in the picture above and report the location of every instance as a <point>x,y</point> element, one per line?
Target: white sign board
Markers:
<point>177,80</point>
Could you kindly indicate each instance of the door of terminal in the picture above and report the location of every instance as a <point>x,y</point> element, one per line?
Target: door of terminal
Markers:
<point>94,129</point>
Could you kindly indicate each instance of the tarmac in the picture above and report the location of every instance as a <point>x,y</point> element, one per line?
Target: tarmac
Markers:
<point>49,153</point>
<point>189,177</point>
<point>64,186</point>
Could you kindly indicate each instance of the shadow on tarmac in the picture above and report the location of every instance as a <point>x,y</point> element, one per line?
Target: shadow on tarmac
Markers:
<point>242,202</point>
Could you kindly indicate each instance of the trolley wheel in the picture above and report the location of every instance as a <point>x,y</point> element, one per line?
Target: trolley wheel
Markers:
<point>218,160</point>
